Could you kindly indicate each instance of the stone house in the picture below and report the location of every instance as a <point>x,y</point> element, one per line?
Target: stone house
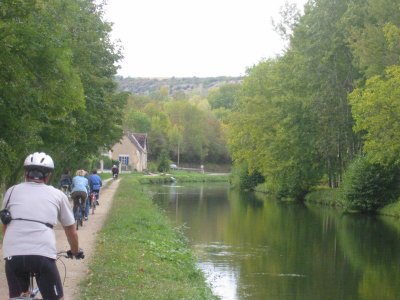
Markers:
<point>131,152</point>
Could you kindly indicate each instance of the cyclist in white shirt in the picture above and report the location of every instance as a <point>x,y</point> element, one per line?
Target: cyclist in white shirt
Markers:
<point>32,208</point>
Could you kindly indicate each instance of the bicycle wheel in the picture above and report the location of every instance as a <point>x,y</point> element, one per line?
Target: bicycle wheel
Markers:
<point>93,202</point>
<point>82,212</point>
<point>77,219</point>
<point>65,190</point>
<point>78,213</point>
<point>93,206</point>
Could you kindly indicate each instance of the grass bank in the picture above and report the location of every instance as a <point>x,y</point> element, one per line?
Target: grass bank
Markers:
<point>184,176</point>
<point>392,210</point>
<point>333,198</point>
<point>139,255</point>
<point>326,196</point>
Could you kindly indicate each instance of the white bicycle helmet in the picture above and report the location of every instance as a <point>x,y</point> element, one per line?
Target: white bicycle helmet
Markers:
<point>38,165</point>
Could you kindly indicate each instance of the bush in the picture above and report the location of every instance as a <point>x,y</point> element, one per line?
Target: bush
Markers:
<point>243,179</point>
<point>367,187</point>
<point>163,162</point>
<point>152,166</point>
<point>108,162</point>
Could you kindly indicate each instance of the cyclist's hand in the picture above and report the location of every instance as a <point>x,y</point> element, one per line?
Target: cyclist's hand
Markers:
<point>79,255</point>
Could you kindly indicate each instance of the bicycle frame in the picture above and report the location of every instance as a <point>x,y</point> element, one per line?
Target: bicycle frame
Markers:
<point>79,211</point>
<point>65,190</point>
<point>93,198</point>
<point>31,294</point>
<point>33,290</point>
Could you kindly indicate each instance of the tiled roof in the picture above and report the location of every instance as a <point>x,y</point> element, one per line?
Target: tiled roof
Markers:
<point>142,139</point>
<point>138,139</point>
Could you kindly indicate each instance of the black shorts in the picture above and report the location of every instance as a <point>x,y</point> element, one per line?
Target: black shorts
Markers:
<point>19,268</point>
<point>97,192</point>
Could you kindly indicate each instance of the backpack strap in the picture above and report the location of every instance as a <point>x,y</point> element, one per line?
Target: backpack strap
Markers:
<point>22,219</point>
<point>8,200</point>
<point>46,224</point>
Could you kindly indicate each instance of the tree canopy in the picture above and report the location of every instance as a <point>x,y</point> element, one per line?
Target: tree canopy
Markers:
<point>303,117</point>
<point>186,128</point>
<point>57,88</point>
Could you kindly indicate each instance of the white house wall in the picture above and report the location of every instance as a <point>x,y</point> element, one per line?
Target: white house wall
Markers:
<point>137,159</point>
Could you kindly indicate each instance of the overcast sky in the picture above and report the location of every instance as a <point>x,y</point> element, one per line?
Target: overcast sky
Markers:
<point>186,38</point>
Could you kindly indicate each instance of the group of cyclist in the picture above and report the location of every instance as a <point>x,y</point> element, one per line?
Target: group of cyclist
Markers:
<point>81,186</point>
<point>29,212</point>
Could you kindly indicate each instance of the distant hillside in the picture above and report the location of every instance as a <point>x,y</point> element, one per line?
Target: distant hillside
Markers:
<point>175,85</point>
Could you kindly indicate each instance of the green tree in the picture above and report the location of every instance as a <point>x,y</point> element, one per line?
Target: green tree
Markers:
<point>293,121</point>
<point>368,186</point>
<point>175,139</point>
<point>57,91</point>
<point>324,64</point>
<point>36,69</point>
<point>224,96</point>
<point>193,122</point>
<point>160,126</point>
<point>376,109</point>
<point>373,34</point>
<point>136,121</point>
<point>272,132</point>
<point>163,161</point>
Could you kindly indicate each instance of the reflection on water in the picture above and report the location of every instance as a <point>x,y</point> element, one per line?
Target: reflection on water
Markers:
<point>221,278</point>
<point>251,247</point>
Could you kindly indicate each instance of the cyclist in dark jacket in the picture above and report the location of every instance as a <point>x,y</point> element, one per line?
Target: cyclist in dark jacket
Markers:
<point>65,179</point>
<point>115,171</point>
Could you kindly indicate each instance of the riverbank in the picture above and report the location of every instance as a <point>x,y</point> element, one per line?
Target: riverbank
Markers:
<point>332,197</point>
<point>326,196</point>
<point>140,255</point>
<point>183,176</point>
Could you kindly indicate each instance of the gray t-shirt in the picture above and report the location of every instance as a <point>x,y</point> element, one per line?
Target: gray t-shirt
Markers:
<point>34,201</point>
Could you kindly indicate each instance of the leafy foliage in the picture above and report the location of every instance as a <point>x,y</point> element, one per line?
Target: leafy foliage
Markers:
<point>163,162</point>
<point>187,128</point>
<point>273,133</point>
<point>373,27</point>
<point>242,179</point>
<point>57,91</point>
<point>376,108</point>
<point>224,96</point>
<point>293,121</point>
<point>368,186</point>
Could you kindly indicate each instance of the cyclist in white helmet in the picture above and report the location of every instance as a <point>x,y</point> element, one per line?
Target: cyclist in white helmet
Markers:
<point>29,212</point>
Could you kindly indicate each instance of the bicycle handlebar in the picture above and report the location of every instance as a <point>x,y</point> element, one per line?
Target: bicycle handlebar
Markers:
<point>69,254</point>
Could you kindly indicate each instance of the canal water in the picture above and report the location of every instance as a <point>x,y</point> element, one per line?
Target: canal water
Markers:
<point>253,247</point>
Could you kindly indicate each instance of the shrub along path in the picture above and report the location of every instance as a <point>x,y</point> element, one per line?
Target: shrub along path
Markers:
<point>76,270</point>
